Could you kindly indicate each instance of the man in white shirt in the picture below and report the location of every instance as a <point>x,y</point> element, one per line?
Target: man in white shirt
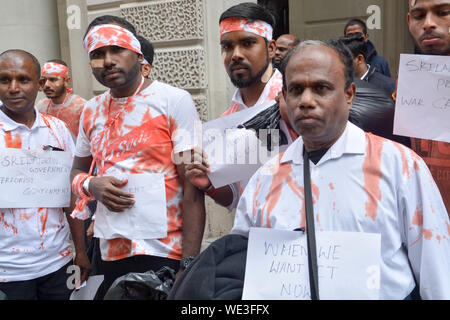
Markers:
<point>133,130</point>
<point>359,182</point>
<point>247,51</point>
<point>35,251</point>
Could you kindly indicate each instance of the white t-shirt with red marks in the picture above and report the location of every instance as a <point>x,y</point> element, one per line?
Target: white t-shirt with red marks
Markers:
<point>149,128</point>
<point>364,183</point>
<point>34,242</point>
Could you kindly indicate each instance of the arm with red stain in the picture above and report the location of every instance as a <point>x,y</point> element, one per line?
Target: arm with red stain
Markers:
<point>426,228</point>
<point>194,216</point>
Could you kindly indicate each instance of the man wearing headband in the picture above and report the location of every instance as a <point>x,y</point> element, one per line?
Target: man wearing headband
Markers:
<point>135,128</point>
<point>247,52</point>
<point>60,101</point>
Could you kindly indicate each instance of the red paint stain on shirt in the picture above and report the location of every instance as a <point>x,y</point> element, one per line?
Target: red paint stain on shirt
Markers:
<point>418,218</point>
<point>405,167</point>
<point>331,186</point>
<point>427,234</point>
<point>43,216</point>
<point>372,174</point>
<point>11,142</point>
<point>7,225</point>
<point>118,248</point>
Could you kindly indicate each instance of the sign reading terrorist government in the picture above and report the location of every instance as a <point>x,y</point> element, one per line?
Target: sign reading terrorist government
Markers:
<point>34,179</point>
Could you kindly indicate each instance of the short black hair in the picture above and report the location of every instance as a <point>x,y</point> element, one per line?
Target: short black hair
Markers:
<point>359,22</point>
<point>34,60</point>
<point>108,19</point>
<point>147,49</point>
<point>58,61</point>
<point>356,44</point>
<point>344,54</point>
<point>251,11</point>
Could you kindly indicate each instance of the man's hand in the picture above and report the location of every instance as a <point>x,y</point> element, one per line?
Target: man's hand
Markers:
<point>82,261</point>
<point>196,171</point>
<point>108,191</point>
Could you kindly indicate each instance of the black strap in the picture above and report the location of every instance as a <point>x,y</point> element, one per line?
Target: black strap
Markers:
<point>310,231</point>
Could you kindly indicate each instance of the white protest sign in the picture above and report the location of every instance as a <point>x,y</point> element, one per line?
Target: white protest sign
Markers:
<point>422,108</point>
<point>147,219</point>
<point>277,265</point>
<point>34,179</point>
<point>234,153</point>
<point>88,289</point>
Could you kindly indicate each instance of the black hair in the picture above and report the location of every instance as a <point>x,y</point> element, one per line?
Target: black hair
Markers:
<point>108,19</point>
<point>356,22</point>
<point>34,60</point>
<point>251,11</point>
<point>58,61</point>
<point>341,49</point>
<point>147,49</point>
<point>356,44</point>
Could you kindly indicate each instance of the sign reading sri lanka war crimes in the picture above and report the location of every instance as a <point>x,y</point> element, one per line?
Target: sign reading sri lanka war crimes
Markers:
<point>34,179</point>
<point>423,97</point>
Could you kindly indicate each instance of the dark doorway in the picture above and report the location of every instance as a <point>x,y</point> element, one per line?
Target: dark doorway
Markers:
<point>280,9</point>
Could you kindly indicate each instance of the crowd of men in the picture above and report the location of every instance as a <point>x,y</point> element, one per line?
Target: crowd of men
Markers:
<point>131,133</point>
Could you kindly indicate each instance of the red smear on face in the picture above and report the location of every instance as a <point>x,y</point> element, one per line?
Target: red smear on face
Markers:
<point>372,174</point>
<point>11,142</point>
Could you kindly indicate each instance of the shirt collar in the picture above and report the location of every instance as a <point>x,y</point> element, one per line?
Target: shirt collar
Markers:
<point>237,97</point>
<point>8,124</point>
<point>367,72</point>
<point>352,141</point>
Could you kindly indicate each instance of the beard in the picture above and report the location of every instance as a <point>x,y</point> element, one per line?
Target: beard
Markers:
<point>245,83</point>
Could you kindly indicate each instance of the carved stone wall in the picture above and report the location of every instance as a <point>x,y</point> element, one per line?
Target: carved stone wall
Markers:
<point>168,21</point>
<point>183,68</point>
<point>176,29</point>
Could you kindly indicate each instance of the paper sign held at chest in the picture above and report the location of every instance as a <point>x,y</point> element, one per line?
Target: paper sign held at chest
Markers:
<point>147,219</point>
<point>423,97</point>
<point>277,265</point>
<point>34,179</point>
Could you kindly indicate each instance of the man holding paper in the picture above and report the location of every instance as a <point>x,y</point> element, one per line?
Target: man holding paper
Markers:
<point>359,182</point>
<point>247,52</point>
<point>147,215</point>
<point>429,24</point>
<point>35,251</point>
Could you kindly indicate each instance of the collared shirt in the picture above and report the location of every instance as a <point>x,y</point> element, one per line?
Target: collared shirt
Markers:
<point>368,184</point>
<point>34,241</point>
<point>150,127</point>
<point>69,111</point>
<point>367,72</point>
<point>270,92</point>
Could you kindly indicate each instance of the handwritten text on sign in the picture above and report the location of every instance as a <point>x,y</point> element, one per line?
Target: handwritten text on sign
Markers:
<point>39,179</point>
<point>277,265</point>
<point>423,97</point>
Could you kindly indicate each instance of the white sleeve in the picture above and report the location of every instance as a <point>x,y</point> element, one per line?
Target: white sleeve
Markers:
<point>426,228</point>
<point>83,146</point>
<point>244,219</point>
<point>183,118</point>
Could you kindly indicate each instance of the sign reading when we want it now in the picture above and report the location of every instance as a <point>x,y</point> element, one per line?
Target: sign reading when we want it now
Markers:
<point>423,97</point>
<point>38,179</point>
<point>277,265</point>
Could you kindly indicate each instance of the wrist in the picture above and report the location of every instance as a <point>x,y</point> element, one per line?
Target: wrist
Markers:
<point>185,262</point>
<point>209,190</point>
